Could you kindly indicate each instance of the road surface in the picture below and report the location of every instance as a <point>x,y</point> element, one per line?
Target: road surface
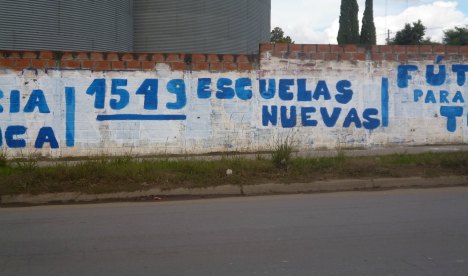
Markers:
<point>402,232</point>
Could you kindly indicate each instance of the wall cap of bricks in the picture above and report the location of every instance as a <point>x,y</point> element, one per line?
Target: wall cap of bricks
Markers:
<point>101,61</point>
<point>354,53</point>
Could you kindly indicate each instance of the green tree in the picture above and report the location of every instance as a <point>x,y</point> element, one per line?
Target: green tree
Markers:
<point>411,35</point>
<point>456,36</point>
<point>349,23</point>
<point>368,36</point>
<point>277,36</point>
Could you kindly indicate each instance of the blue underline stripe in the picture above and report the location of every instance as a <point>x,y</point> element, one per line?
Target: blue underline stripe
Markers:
<point>138,117</point>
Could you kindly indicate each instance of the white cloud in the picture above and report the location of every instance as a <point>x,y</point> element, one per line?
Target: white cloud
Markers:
<point>317,21</point>
<point>437,17</point>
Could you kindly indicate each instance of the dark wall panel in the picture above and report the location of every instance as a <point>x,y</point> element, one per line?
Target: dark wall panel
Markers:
<point>201,26</point>
<point>75,25</point>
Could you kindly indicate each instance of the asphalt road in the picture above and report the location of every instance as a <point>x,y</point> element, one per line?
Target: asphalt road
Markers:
<point>403,232</point>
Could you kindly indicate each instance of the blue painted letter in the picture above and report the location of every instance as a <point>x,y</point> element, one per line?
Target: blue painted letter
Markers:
<point>203,89</point>
<point>177,87</point>
<point>37,99</point>
<point>436,79</point>
<point>404,76</point>
<point>10,134</point>
<point>284,93</point>
<point>244,88</point>
<point>346,94</point>
<point>269,117</point>
<point>269,93</point>
<point>46,135</point>
<point>461,70</point>
<point>451,112</point>
<point>149,88</point>
<point>224,89</point>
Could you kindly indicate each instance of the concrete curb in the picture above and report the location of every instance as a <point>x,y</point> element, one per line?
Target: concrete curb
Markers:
<point>249,190</point>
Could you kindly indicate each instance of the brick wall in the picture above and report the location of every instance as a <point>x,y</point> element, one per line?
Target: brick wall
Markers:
<point>325,96</point>
<point>398,53</point>
<point>98,61</point>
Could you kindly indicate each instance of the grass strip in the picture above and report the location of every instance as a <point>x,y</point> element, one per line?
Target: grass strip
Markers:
<point>121,174</point>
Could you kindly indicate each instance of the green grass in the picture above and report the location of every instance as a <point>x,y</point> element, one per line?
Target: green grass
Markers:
<point>127,174</point>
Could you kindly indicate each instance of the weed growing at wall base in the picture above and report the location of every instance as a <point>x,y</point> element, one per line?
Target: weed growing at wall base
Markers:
<point>126,174</point>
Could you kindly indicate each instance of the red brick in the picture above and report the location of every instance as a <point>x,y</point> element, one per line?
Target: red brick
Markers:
<point>148,65</point>
<point>375,49</point>
<point>198,58</point>
<point>385,49</point>
<point>362,48</point>
<point>403,58</point>
<point>439,49</point>
<point>133,64</point>
<point>7,62</point>
<point>46,55</point>
<point>22,63</point>
<point>228,58</point>
<point>399,49</point>
<point>428,57</point>
<point>158,57</point>
<point>317,56</point>
<point>296,47</point>
<point>242,58</point>
<point>50,63</point>
<point>230,66</point>
<point>201,66</point>
<point>310,48</point>
<point>87,64</point>
<point>336,49</point>
<point>81,56</point>
<point>350,48</point>
<point>38,63</point>
<point>102,65</point>
<point>323,48</point>
<point>67,56</point>
<point>178,66</point>
<point>412,49</point>
<point>112,57</point>
<point>29,54</point>
<point>266,47</point>
<point>452,49</point>
<point>213,58</point>
<point>70,64</point>
<point>216,66</point>
<point>281,48</point>
<point>14,55</point>
<point>97,56</point>
<point>414,57</point>
<point>118,65</point>
<point>142,57</point>
<point>243,66</point>
<point>127,57</point>
<point>173,57</point>
<point>330,56</point>
<point>346,56</point>
<point>463,50</point>
<point>425,49</point>
<point>359,56</point>
<point>390,57</point>
<point>377,56</point>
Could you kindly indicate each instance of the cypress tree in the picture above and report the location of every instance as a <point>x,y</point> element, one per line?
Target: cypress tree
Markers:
<point>349,23</point>
<point>368,27</point>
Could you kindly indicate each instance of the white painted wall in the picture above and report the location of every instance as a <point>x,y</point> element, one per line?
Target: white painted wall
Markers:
<point>220,125</point>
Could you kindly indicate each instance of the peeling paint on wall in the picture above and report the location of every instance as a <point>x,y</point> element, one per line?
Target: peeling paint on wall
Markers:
<point>328,105</point>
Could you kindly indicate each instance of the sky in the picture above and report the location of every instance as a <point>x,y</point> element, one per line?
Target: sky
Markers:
<point>314,21</point>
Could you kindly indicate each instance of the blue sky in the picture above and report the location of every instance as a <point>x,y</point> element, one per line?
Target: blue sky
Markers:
<point>314,21</point>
